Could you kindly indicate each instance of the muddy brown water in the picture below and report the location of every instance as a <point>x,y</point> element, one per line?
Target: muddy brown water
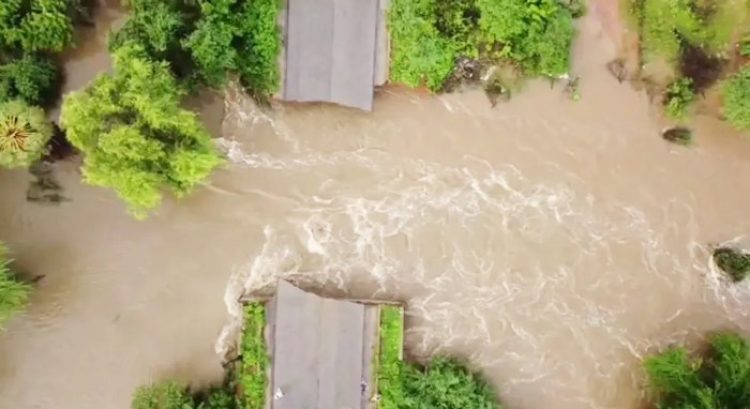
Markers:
<point>551,243</point>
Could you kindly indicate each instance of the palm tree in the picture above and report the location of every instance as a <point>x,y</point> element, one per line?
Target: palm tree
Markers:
<point>24,134</point>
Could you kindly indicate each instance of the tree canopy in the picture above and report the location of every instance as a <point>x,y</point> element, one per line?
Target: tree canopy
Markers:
<point>135,136</point>
<point>13,294</point>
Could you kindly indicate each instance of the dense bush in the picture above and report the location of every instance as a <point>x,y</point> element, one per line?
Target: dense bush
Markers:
<point>428,36</point>
<point>32,78</point>
<point>135,137</point>
<point>679,97</point>
<point>13,294</point>
<point>24,134</point>
<point>420,55</point>
<point>736,93</point>
<point>443,383</point>
<point>31,31</point>
<point>535,33</point>
<point>718,379</point>
<point>203,41</point>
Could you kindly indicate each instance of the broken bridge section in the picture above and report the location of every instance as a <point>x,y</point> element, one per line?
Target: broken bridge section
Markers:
<point>335,51</point>
<point>322,351</point>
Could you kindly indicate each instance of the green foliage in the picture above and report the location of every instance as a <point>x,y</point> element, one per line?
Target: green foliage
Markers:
<point>744,46</point>
<point>164,395</point>
<point>205,40</point>
<point>537,34</point>
<point>736,92</point>
<point>719,380</point>
<point>444,383</point>
<point>36,25</point>
<point>679,97</point>
<point>420,55</point>
<point>429,35</point>
<point>253,373</point>
<point>24,134</point>
<point>668,26</point>
<point>260,46</point>
<point>32,78</point>
<point>135,137</point>
<point>13,294</point>
<point>733,262</point>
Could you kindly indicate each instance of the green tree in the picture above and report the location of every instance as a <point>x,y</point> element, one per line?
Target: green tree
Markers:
<point>721,379</point>
<point>211,42</point>
<point>36,25</point>
<point>13,294</point>
<point>135,137</point>
<point>736,92</point>
<point>24,134</point>
<point>32,78</point>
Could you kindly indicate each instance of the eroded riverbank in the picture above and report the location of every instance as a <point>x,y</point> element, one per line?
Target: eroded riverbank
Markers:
<point>551,242</point>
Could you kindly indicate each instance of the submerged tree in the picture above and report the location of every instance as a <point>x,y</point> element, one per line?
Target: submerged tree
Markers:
<point>13,294</point>
<point>24,134</point>
<point>135,136</point>
<point>721,379</point>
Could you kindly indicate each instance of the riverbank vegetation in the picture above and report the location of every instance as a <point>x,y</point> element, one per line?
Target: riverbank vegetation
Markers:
<point>430,38</point>
<point>688,47</point>
<point>717,378</point>
<point>244,387</point>
<point>13,294</point>
<point>205,41</point>
<point>443,383</point>
<point>135,137</point>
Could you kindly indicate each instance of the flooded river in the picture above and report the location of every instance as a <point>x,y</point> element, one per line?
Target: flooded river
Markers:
<point>551,243</point>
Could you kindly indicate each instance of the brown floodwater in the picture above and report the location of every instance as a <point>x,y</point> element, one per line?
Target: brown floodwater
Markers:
<point>551,243</point>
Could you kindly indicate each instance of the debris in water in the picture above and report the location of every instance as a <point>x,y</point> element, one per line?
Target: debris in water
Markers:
<point>617,68</point>
<point>679,135</point>
<point>45,189</point>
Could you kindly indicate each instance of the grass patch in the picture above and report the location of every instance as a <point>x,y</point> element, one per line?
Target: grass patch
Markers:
<point>733,262</point>
<point>719,378</point>
<point>443,383</point>
<point>13,294</point>
<point>736,93</point>
<point>253,372</point>
<point>246,390</point>
<point>429,37</point>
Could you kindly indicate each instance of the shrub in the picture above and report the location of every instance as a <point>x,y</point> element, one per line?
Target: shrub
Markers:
<point>537,34</point>
<point>679,97</point>
<point>736,92</point>
<point>719,379</point>
<point>135,137</point>
<point>419,54</point>
<point>443,383</point>
<point>13,294</point>
<point>165,395</point>
<point>735,263</point>
<point>260,46</point>
<point>24,134</point>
